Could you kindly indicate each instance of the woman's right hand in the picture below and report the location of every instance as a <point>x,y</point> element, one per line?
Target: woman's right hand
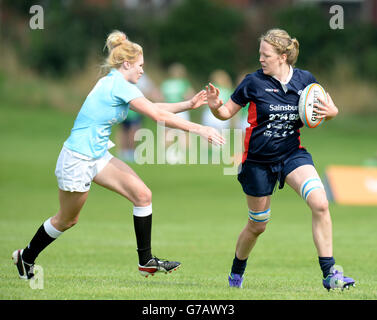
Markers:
<point>214,102</point>
<point>211,135</point>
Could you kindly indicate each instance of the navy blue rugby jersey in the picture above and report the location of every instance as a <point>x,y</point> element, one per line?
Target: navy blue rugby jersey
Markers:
<point>274,130</point>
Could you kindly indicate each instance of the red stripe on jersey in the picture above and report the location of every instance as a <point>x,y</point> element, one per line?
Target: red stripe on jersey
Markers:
<point>252,119</point>
<point>299,140</point>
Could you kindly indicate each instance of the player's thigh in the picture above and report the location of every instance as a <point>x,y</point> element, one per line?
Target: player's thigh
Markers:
<point>258,204</point>
<point>296,178</point>
<point>119,177</point>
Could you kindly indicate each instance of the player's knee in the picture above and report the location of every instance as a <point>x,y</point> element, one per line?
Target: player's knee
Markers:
<point>257,228</point>
<point>258,220</point>
<point>320,206</point>
<point>143,197</point>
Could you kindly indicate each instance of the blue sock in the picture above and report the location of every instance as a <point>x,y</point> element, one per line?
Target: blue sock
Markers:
<point>238,266</point>
<point>326,263</point>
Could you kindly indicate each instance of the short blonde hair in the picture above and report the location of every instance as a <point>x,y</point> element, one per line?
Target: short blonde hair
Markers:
<point>177,70</point>
<point>120,50</point>
<point>221,78</point>
<point>283,44</point>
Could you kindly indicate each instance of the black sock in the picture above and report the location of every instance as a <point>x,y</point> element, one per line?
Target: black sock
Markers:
<point>239,266</point>
<point>40,241</point>
<point>326,263</point>
<point>143,231</point>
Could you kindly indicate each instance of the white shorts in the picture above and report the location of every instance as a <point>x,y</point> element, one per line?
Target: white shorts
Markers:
<point>75,171</point>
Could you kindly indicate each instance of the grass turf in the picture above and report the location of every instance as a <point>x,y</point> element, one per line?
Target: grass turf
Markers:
<point>198,214</point>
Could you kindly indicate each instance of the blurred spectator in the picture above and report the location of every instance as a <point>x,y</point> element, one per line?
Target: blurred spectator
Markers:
<point>240,121</point>
<point>221,80</point>
<point>241,117</point>
<point>174,89</point>
<point>371,162</point>
<point>126,133</point>
<point>177,87</point>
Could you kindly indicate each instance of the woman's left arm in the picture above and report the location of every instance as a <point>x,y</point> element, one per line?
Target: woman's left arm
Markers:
<point>327,110</point>
<point>195,102</point>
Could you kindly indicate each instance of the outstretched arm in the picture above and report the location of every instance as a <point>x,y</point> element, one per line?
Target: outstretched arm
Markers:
<point>218,108</point>
<point>195,102</point>
<point>149,109</point>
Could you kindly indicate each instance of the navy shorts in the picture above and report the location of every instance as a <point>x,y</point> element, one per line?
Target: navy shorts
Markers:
<point>259,179</point>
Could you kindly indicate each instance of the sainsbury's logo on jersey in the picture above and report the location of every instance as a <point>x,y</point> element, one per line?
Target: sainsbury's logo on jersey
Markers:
<point>271,90</point>
<point>279,107</point>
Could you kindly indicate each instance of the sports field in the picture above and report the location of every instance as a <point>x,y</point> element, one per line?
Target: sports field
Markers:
<point>197,215</point>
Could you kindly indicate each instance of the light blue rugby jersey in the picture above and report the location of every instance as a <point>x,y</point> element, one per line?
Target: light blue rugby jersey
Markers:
<point>107,104</point>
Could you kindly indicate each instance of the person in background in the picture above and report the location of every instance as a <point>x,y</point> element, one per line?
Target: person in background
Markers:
<point>241,121</point>
<point>241,117</point>
<point>176,88</point>
<point>127,129</point>
<point>221,80</point>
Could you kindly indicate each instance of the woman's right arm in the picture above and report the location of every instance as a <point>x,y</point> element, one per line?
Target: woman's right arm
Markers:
<point>218,108</point>
<point>195,102</point>
<point>149,109</point>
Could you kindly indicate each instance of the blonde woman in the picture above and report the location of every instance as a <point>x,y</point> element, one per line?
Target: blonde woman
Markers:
<point>85,158</point>
<point>273,152</point>
<point>222,80</point>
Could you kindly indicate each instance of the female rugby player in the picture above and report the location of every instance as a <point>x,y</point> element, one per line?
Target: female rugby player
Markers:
<point>85,157</point>
<point>273,152</point>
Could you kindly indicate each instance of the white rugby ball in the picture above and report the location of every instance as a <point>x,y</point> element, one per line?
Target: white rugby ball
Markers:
<point>306,108</point>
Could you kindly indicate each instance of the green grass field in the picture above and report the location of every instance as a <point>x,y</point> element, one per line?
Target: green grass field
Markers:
<point>198,214</point>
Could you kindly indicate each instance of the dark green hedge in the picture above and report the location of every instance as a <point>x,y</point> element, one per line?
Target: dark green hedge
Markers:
<point>202,34</point>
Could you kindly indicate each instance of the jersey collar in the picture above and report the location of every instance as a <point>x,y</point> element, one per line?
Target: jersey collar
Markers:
<point>114,71</point>
<point>284,84</point>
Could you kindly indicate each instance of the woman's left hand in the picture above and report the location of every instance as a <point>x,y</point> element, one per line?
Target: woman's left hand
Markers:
<point>327,110</point>
<point>198,100</point>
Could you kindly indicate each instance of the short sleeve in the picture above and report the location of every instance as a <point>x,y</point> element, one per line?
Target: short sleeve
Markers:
<point>309,77</point>
<point>244,93</point>
<point>126,91</point>
<point>313,79</point>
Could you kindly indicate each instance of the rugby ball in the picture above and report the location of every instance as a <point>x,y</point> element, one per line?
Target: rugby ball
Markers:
<point>306,108</point>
